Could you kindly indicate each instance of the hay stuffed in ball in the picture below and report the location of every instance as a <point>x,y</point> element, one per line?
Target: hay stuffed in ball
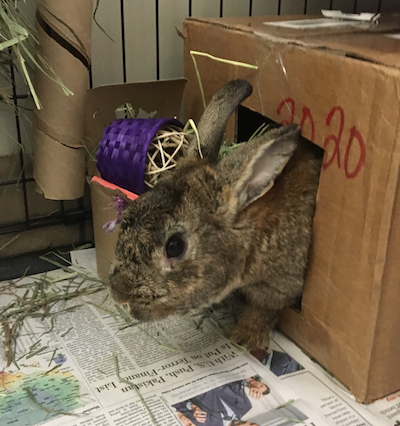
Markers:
<point>168,145</point>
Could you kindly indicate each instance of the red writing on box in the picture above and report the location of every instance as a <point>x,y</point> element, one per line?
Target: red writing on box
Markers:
<point>352,144</point>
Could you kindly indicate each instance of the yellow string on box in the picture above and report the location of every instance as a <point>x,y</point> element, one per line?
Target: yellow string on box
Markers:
<point>194,53</point>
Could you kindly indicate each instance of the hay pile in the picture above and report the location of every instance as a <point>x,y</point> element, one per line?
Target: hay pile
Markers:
<point>18,45</point>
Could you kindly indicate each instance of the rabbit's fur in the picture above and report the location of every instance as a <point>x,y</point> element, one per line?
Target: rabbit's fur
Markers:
<point>246,223</point>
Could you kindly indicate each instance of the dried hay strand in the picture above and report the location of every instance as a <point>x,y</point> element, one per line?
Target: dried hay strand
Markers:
<point>18,46</point>
<point>41,297</point>
<point>168,145</point>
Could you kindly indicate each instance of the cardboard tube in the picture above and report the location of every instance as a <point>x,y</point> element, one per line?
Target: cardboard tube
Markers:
<point>64,30</point>
<point>59,169</point>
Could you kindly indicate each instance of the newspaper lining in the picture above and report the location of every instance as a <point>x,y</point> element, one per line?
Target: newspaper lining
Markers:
<point>90,371</point>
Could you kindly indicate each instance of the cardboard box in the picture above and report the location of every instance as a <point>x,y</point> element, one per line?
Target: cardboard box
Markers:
<point>342,84</point>
<point>165,97</point>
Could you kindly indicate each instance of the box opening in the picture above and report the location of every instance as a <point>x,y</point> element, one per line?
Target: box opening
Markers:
<point>248,122</point>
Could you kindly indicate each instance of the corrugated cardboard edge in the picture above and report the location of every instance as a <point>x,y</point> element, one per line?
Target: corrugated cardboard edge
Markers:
<point>387,23</point>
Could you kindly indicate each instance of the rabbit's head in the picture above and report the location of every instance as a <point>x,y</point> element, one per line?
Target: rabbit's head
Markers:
<point>184,244</point>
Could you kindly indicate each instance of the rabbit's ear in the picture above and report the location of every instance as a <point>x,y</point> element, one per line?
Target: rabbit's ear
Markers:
<point>262,164</point>
<point>213,121</point>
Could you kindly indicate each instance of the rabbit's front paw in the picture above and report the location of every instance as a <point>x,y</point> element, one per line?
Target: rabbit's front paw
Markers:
<point>249,338</point>
<point>253,328</point>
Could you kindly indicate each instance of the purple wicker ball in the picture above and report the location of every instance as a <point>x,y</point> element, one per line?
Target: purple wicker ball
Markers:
<point>121,157</point>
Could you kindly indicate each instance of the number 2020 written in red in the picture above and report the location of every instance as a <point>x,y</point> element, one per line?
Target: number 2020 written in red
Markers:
<point>335,115</point>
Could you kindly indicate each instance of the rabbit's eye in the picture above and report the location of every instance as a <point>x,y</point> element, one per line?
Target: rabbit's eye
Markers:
<point>175,246</point>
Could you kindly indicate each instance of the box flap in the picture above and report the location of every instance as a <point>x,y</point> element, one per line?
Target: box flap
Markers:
<point>376,43</point>
<point>163,96</point>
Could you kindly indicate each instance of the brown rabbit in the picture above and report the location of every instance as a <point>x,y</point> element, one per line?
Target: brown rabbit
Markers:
<point>209,228</point>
